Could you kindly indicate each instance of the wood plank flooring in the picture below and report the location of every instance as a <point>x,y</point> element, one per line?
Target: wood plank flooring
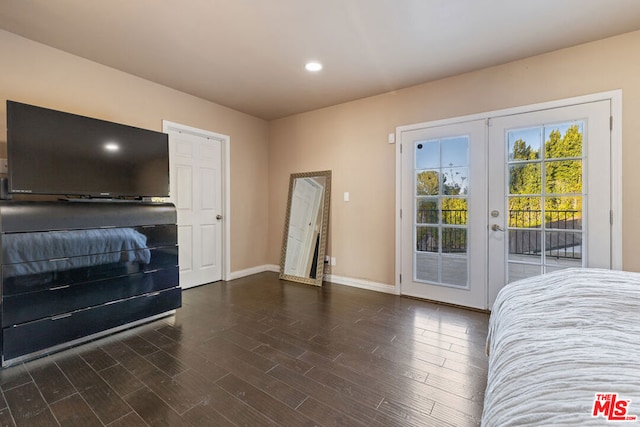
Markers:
<point>263,352</point>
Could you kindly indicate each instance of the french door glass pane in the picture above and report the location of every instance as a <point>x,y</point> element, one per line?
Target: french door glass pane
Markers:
<point>525,245</point>
<point>455,211</point>
<point>522,271</point>
<point>427,155</point>
<point>427,266</point>
<point>563,213</point>
<point>545,168</point>
<point>454,270</point>
<point>563,140</point>
<point>525,178</point>
<point>454,151</point>
<point>563,177</point>
<point>563,248</point>
<point>427,183</point>
<point>427,239</point>
<point>525,212</point>
<point>454,181</point>
<point>427,211</point>
<point>441,173</point>
<point>454,240</point>
<point>524,144</point>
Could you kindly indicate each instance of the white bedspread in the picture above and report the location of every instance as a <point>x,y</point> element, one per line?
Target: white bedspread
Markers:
<point>555,341</point>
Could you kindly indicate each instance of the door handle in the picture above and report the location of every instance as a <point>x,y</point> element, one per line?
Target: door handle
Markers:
<point>218,217</point>
<point>496,227</point>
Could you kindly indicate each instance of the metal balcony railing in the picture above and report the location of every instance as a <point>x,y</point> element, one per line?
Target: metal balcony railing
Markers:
<point>562,228</point>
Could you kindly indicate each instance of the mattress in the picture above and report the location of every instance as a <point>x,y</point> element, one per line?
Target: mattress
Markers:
<point>564,349</point>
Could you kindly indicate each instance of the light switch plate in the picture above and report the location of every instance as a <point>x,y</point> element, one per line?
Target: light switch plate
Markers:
<point>392,138</point>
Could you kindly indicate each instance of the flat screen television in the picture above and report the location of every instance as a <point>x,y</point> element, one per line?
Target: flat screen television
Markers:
<point>56,153</point>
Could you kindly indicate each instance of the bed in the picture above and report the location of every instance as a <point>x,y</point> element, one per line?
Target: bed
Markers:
<point>563,347</point>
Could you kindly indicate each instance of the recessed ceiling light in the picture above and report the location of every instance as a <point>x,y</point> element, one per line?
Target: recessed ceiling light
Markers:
<point>111,146</point>
<point>313,66</point>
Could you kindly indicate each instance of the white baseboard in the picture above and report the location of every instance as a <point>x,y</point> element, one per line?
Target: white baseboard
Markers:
<point>254,270</point>
<point>272,267</point>
<point>340,280</point>
<point>361,283</point>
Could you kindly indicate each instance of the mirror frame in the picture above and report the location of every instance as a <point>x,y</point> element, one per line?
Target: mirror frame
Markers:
<point>317,281</point>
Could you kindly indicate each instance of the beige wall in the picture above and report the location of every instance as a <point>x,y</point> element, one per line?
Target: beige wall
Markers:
<point>36,74</point>
<point>351,140</point>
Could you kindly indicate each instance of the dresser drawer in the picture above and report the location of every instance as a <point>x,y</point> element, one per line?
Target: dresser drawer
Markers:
<point>42,275</point>
<point>25,307</point>
<point>41,334</point>
<point>20,248</point>
<point>159,235</point>
<point>26,216</point>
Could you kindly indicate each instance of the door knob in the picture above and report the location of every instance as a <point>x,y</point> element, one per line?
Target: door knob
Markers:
<point>218,217</point>
<point>496,227</point>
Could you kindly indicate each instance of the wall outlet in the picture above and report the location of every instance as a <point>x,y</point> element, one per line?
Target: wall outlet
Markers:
<point>4,166</point>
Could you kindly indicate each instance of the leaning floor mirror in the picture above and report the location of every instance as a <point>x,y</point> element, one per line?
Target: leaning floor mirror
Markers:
<point>305,228</point>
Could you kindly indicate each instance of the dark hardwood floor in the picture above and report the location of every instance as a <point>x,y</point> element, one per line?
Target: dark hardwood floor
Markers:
<point>259,351</point>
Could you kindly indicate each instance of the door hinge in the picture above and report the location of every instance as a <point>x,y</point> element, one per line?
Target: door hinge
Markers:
<point>610,122</point>
<point>401,278</point>
<point>611,217</point>
<point>400,148</point>
<point>400,213</point>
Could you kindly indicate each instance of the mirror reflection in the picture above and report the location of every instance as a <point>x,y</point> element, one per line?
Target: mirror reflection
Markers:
<point>305,232</point>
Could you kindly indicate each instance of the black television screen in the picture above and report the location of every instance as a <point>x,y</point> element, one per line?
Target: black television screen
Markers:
<point>57,153</point>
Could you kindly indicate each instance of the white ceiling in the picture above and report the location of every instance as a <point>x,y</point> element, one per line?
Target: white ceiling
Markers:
<point>249,55</point>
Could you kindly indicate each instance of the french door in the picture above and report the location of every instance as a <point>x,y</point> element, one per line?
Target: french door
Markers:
<point>490,201</point>
<point>443,204</point>
<point>549,192</point>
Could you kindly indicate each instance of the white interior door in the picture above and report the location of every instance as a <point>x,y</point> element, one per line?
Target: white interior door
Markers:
<point>443,237</point>
<point>549,192</point>
<point>196,190</point>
